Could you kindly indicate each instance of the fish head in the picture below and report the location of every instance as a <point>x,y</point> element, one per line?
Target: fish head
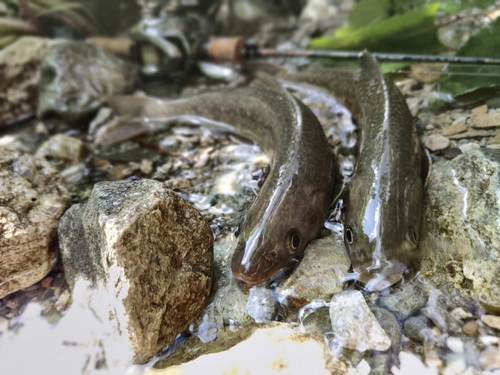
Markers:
<point>383,242</point>
<point>274,240</point>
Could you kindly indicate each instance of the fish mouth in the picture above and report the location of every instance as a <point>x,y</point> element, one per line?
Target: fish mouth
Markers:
<point>383,277</point>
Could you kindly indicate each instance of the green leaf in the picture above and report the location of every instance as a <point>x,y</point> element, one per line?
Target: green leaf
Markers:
<point>462,79</point>
<point>448,6</point>
<point>367,12</point>
<point>412,32</point>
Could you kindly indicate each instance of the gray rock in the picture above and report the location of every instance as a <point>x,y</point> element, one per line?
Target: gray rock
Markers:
<point>354,325</point>
<point>32,198</point>
<point>19,77</point>
<point>389,324</point>
<point>416,327</point>
<point>460,241</point>
<point>149,251</point>
<point>405,300</point>
<point>320,273</point>
<point>76,78</point>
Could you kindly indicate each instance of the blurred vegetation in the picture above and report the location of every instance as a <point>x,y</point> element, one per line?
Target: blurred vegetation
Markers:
<point>77,18</point>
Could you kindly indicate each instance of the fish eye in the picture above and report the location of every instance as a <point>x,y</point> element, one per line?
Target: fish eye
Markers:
<point>412,236</point>
<point>294,242</point>
<point>349,236</point>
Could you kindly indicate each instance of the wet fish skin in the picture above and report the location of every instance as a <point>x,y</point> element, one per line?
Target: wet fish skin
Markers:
<point>292,204</point>
<point>384,197</point>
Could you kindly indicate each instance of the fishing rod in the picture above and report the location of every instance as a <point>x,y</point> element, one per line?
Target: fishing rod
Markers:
<point>252,51</point>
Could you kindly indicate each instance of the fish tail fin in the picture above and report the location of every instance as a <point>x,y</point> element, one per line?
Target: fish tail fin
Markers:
<point>128,106</point>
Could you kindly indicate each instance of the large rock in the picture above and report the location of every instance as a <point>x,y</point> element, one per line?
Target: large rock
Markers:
<point>76,78</point>
<point>461,227</point>
<point>32,198</point>
<point>19,77</point>
<point>149,250</point>
<point>319,275</point>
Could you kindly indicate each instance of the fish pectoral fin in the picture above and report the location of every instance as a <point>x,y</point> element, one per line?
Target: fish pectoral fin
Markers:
<point>425,164</point>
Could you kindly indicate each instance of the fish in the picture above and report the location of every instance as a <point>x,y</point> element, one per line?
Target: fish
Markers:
<point>383,199</point>
<point>292,204</point>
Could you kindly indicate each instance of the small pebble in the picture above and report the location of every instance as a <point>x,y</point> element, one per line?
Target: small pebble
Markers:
<point>490,358</point>
<point>495,140</point>
<point>485,120</point>
<point>47,282</point>
<point>489,340</point>
<point>451,153</point>
<point>468,146</point>
<point>470,328</point>
<point>481,110</point>
<point>455,128</point>
<point>429,127</point>
<point>491,321</point>
<point>460,313</point>
<point>455,344</point>
<point>435,142</point>
<point>146,166</point>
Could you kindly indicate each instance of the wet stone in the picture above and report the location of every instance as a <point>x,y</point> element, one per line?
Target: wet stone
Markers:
<point>367,334</point>
<point>33,196</point>
<point>460,237</point>
<point>320,273</point>
<point>145,250</point>
<point>405,300</point>
<point>76,78</point>
<point>389,323</point>
<point>416,328</point>
<point>491,321</point>
<point>435,142</point>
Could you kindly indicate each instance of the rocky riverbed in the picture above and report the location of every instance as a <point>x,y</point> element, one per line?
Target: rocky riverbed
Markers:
<point>138,266</point>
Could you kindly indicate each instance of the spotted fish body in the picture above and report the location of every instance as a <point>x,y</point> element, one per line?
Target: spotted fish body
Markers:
<point>384,197</point>
<point>292,204</point>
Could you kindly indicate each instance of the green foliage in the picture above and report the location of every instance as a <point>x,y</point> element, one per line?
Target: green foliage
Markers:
<point>463,79</point>
<point>412,32</point>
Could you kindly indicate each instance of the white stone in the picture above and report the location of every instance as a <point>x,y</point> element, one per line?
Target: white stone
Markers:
<point>354,325</point>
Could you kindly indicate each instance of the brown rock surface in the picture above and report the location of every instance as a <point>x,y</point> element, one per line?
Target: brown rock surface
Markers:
<point>32,198</point>
<point>19,76</point>
<point>149,250</point>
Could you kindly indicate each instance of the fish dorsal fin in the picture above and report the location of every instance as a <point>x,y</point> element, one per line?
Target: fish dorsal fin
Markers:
<point>370,66</point>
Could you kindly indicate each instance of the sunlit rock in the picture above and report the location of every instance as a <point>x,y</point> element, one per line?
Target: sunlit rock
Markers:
<point>77,77</point>
<point>67,154</point>
<point>354,325</point>
<point>32,198</point>
<point>273,349</point>
<point>460,242</point>
<point>320,273</point>
<point>149,250</point>
<point>19,77</point>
